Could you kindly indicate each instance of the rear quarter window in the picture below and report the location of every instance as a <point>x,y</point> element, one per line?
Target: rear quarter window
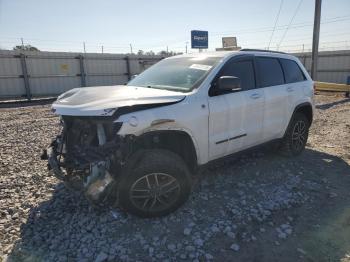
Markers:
<point>292,71</point>
<point>270,71</point>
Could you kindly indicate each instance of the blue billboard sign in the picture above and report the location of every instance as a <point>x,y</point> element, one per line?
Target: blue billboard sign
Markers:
<point>199,39</point>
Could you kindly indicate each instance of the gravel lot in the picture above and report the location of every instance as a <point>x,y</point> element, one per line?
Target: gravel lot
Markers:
<point>256,207</point>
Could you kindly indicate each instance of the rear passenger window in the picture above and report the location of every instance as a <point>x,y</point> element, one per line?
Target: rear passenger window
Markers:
<point>244,70</point>
<point>292,71</point>
<point>270,71</point>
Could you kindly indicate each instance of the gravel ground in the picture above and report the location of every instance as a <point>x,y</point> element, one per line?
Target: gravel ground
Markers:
<point>256,207</point>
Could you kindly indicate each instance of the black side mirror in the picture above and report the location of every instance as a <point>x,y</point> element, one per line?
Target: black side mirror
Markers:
<point>229,84</point>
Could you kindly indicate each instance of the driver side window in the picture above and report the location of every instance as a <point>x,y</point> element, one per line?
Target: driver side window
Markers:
<point>243,69</point>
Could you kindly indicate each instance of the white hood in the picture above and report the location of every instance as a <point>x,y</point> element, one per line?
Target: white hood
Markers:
<point>105,100</point>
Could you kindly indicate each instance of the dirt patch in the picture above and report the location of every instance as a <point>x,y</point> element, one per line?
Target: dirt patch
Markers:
<point>256,207</point>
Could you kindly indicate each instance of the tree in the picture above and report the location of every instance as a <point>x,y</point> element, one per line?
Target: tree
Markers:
<point>171,53</point>
<point>163,53</point>
<point>140,52</point>
<point>25,48</point>
<point>150,53</point>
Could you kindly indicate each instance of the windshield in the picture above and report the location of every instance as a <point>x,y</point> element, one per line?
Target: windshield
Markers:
<point>181,74</point>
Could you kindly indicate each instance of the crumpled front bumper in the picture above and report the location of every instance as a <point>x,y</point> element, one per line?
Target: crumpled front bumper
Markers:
<point>96,184</point>
<point>53,164</point>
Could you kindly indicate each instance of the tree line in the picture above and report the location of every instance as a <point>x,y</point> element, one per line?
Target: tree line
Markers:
<point>140,52</point>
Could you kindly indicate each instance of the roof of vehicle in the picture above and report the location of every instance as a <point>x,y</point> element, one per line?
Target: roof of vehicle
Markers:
<point>243,51</point>
<point>208,54</point>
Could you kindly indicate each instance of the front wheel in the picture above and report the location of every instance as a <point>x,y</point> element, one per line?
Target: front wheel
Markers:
<point>156,185</point>
<point>295,139</point>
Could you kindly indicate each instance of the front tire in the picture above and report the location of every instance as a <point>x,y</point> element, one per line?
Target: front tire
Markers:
<point>155,184</point>
<point>295,139</point>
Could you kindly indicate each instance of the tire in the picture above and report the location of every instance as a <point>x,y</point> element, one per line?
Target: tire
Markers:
<point>296,136</point>
<point>138,192</point>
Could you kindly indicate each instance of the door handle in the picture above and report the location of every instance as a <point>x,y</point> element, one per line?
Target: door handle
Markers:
<point>255,96</point>
<point>290,89</point>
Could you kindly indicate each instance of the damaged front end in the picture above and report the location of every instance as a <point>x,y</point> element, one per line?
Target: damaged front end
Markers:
<point>88,155</point>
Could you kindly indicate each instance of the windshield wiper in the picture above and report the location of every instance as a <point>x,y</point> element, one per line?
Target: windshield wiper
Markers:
<point>149,86</point>
<point>170,88</point>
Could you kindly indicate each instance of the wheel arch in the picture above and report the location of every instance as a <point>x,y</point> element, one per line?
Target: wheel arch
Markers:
<point>176,141</point>
<point>304,108</point>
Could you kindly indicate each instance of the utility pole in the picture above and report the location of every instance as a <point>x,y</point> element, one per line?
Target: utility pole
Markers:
<point>84,47</point>
<point>102,49</point>
<point>22,43</point>
<point>167,50</point>
<point>316,39</point>
<point>186,47</point>
<point>130,49</point>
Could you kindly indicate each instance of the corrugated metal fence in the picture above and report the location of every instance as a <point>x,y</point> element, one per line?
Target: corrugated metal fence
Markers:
<point>333,66</point>
<point>35,74</point>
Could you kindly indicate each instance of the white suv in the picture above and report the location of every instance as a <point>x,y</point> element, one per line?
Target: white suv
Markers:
<point>138,144</point>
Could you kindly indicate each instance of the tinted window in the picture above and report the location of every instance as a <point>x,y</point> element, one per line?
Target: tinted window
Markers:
<point>270,70</point>
<point>292,71</point>
<point>244,70</point>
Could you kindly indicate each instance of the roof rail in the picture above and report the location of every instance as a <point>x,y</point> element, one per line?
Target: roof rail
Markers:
<point>262,50</point>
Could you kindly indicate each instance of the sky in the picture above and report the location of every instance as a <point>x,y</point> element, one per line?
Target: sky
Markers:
<point>157,24</point>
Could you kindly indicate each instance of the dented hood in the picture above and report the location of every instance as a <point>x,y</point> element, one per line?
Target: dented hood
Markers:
<point>105,100</point>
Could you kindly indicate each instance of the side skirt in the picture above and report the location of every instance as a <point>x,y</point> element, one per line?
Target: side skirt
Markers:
<point>240,153</point>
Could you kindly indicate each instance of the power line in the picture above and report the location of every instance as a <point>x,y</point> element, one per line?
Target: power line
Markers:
<point>282,27</point>
<point>178,40</point>
<point>291,21</point>
<point>274,27</point>
<point>122,46</point>
<point>76,45</point>
<point>307,37</point>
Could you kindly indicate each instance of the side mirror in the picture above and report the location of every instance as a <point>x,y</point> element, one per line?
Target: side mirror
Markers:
<point>229,84</point>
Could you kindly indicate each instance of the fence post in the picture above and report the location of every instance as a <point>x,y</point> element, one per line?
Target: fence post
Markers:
<point>127,59</point>
<point>82,71</point>
<point>25,76</point>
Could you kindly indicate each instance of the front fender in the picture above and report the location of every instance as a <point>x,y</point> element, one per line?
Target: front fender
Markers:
<point>185,116</point>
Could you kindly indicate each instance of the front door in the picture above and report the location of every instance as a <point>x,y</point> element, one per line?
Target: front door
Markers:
<point>235,118</point>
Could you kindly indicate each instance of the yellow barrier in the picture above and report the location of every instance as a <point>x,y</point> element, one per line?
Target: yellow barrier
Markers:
<point>324,86</point>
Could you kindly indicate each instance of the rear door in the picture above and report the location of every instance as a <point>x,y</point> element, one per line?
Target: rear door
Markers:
<point>271,80</point>
<point>235,119</point>
<point>295,83</point>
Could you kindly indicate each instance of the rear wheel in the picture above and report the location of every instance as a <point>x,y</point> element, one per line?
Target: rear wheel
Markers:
<point>296,136</point>
<point>155,185</point>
